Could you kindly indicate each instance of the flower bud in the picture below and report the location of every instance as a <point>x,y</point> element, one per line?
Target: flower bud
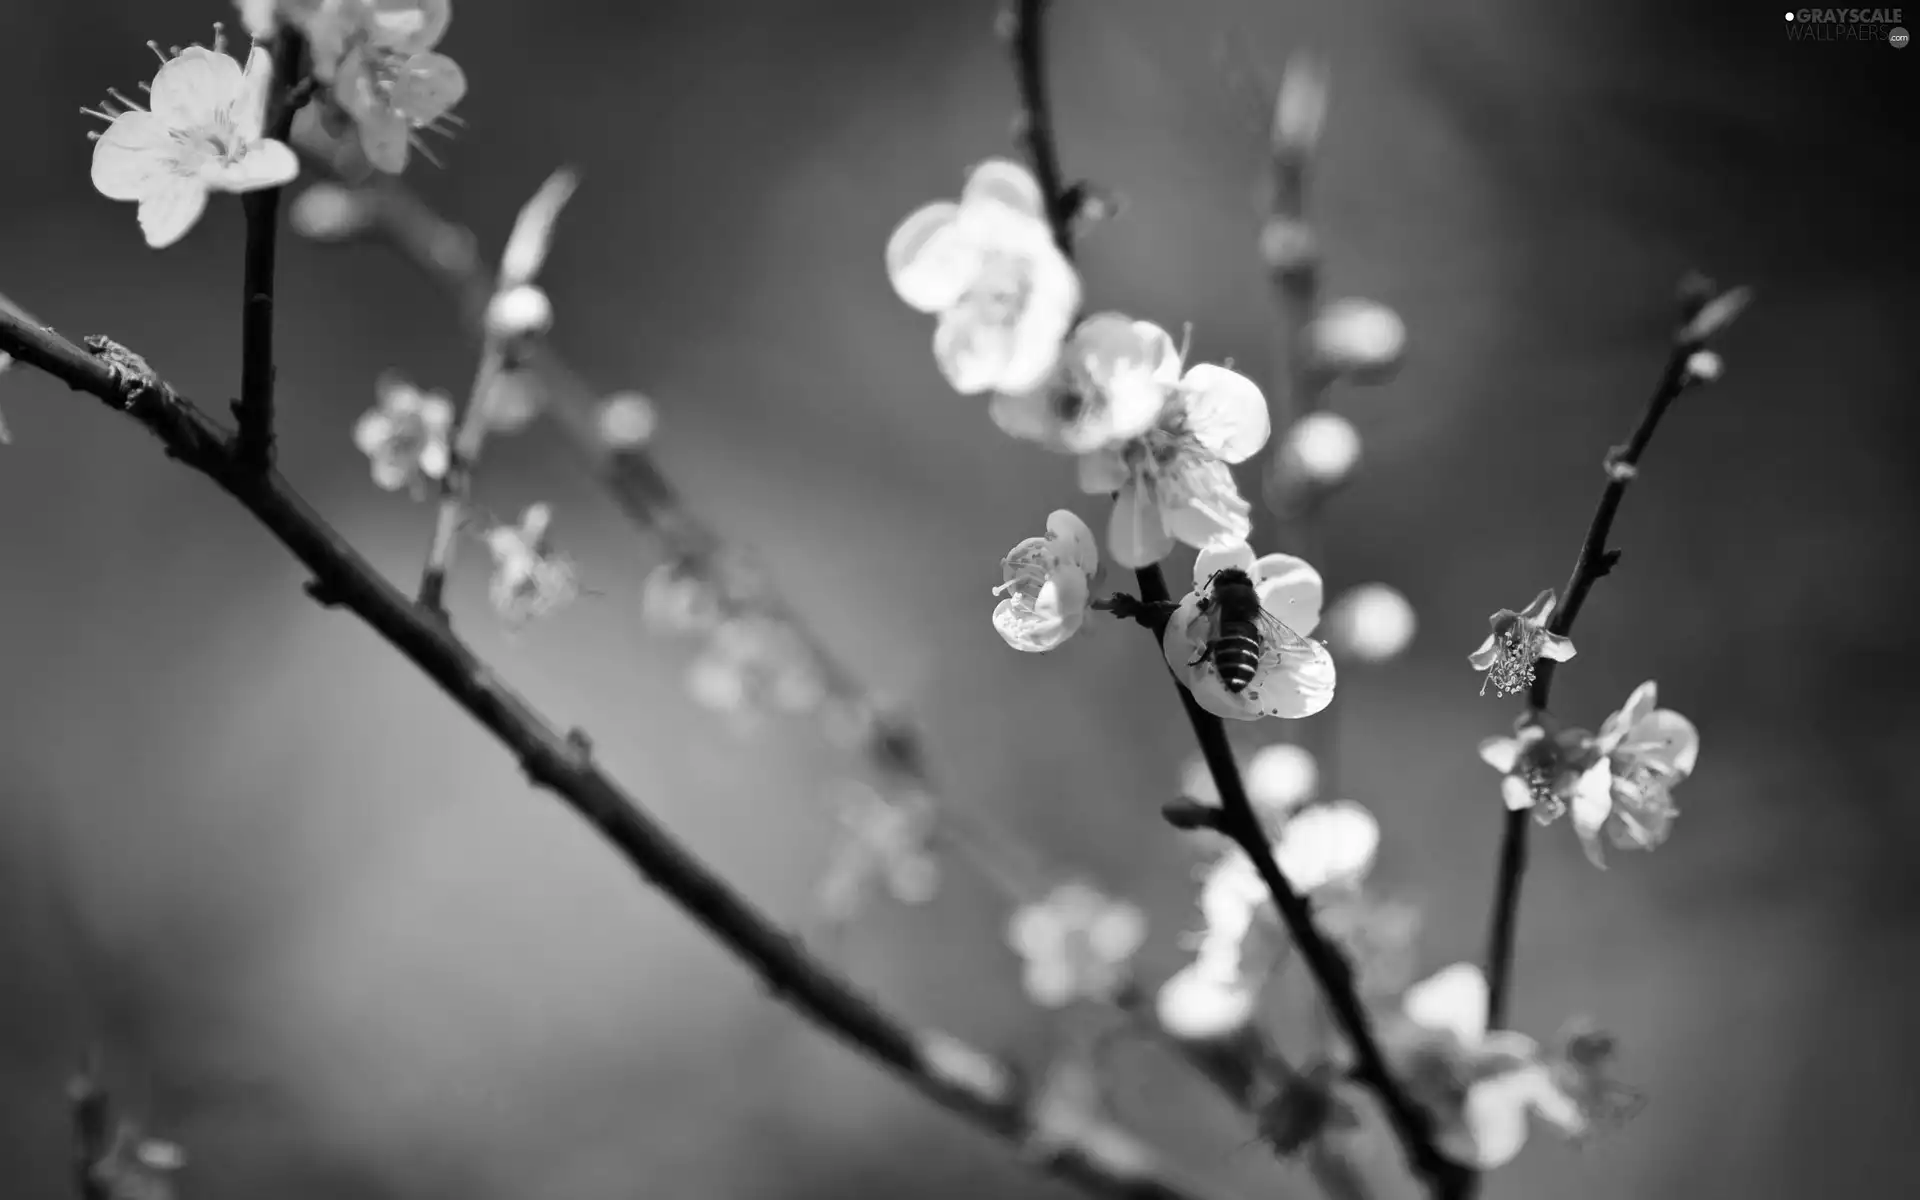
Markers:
<point>1281,777</point>
<point>1195,1005</point>
<point>1301,108</point>
<point>1321,448</point>
<point>1371,623</point>
<point>327,212</point>
<point>1704,366</point>
<point>519,312</point>
<point>627,421</point>
<point>1359,339</point>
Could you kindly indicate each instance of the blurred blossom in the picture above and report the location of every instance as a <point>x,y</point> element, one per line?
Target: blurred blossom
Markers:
<point>883,844</point>
<point>406,435</point>
<point>378,56</point>
<point>1114,378</point>
<point>1068,1115</point>
<point>1077,942</point>
<point>1303,1107</point>
<point>529,579</point>
<point>1321,449</point>
<point>1288,246</point>
<point>1581,1063</point>
<point>1300,109</point>
<point>1171,484</point>
<point>677,598</point>
<point>1357,339</point>
<point>1329,845</point>
<point>753,661</point>
<point>202,134</point>
<point>627,421</point>
<point>1295,676</point>
<point>988,266</point>
<point>532,235</point>
<point>1046,585</point>
<point>1281,777</point>
<point>327,212</point>
<point>1644,753</point>
<point>1516,644</point>
<point>1704,366</point>
<point>1371,623</point>
<point>519,312</point>
<point>1480,1086</point>
<point>1201,1003</point>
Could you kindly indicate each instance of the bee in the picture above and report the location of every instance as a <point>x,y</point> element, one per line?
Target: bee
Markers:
<point>1240,630</point>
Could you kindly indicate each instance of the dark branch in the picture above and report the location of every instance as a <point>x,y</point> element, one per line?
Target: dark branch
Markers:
<point>1594,560</point>
<point>562,764</point>
<point>254,410</point>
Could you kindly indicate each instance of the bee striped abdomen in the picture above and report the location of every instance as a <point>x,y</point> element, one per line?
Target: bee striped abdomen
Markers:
<point>1236,654</point>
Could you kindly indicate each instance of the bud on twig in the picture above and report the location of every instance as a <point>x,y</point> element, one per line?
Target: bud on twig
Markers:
<point>1321,448</point>
<point>327,212</point>
<point>1300,110</point>
<point>627,421</point>
<point>519,312</point>
<point>1358,339</point>
<point>1289,247</point>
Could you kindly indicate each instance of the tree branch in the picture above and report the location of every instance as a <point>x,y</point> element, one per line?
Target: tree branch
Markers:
<point>1238,821</point>
<point>1593,561</point>
<point>254,410</point>
<point>945,1070</point>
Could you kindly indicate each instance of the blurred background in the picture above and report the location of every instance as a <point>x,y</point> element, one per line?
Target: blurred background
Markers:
<point>331,941</point>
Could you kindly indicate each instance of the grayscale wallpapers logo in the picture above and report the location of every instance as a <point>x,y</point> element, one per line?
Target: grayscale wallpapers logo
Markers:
<point>1847,25</point>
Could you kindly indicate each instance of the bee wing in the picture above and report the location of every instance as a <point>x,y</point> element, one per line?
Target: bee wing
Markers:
<point>1275,633</point>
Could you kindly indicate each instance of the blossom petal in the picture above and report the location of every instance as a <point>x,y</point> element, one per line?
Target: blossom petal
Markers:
<point>170,210</point>
<point>1495,1120</point>
<point>1050,981</point>
<point>264,164</point>
<point>1556,647</point>
<point>1053,296</point>
<point>929,262</point>
<point>1666,740</point>
<point>1290,589</point>
<point>1590,804</point>
<point>195,87</point>
<point>409,26</point>
<point>256,86</point>
<point>1515,793</point>
<point>1025,415</point>
<point>1327,845</point>
<point>425,87</point>
<point>1034,631</point>
<point>1500,753</point>
<point>1003,181</point>
<point>1293,680</point>
<point>1453,1000</point>
<point>1540,609</point>
<point>1226,412</point>
<point>1228,556</point>
<point>133,157</point>
<point>386,140</point>
<point>1484,658</point>
<point>1102,472</point>
<point>1203,507</point>
<point>1073,540</point>
<point>1034,930</point>
<point>1136,536</point>
<point>971,351</point>
<point>1117,932</point>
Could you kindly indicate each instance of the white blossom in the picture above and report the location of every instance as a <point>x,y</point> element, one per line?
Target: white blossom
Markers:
<point>1295,676</point>
<point>1077,943</point>
<point>1046,583</point>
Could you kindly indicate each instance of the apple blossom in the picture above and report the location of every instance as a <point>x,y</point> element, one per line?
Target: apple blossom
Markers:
<point>1518,641</point>
<point>1077,943</point>
<point>1644,753</point>
<point>988,266</point>
<point>1479,1086</point>
<point>203,133</point>
<point>529,578</point>
<point>1171,483</point>
<point>1046,585</point>
<point>406,435</point>
<point>1296,675</point>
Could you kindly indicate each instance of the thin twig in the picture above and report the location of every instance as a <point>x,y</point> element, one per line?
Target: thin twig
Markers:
<point>457,485</point>
<point>947,1071</point>
<point>1238,822</point>
<point>1593,561</point>
<point>892,744</point>
<point>254,409</point>
<point>91,1115</point>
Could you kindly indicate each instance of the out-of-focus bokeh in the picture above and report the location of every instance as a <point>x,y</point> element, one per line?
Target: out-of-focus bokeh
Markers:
<point>331,941</point>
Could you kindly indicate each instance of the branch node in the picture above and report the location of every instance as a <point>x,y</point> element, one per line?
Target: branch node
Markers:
<point>1186,813</point>
<point>323,593</point>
